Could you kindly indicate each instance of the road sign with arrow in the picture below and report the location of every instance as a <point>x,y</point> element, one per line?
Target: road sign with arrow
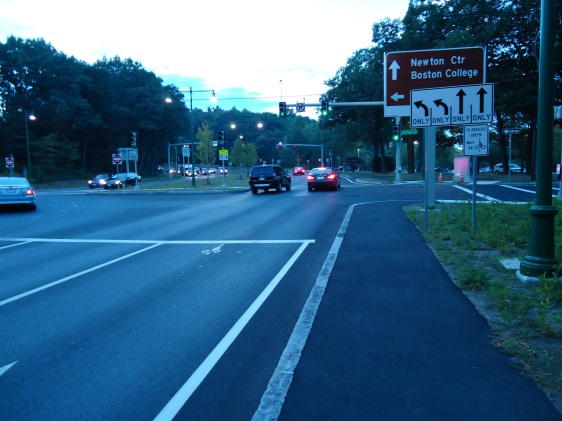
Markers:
<point>427,69</point>
<point>452,106</point>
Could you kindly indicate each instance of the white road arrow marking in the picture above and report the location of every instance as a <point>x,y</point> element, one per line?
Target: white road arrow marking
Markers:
<point>215,250</point>
<point>7,367</point>
<point>394,67</point>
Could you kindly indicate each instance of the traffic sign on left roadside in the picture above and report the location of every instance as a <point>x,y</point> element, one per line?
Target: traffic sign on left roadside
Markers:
<point>9,162</point>
<point>116,158</point>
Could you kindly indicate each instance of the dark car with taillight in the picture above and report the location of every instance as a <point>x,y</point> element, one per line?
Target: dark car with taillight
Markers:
<point>269,177</point>
<point>298,171</point>
<point>118,181</point>
<point>323,178</point>
<point>16,191</point>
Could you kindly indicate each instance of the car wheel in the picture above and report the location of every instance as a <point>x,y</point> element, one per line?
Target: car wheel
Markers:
<point>288,187</point>
<point>254,190</point>
<point>279,188</point>
<point>310,189</point>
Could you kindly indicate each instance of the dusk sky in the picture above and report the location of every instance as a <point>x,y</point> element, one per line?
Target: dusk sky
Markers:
<point>250,52</point>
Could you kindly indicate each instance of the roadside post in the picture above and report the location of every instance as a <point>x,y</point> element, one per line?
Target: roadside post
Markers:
<point>476,143</point>
<point>541,259</point>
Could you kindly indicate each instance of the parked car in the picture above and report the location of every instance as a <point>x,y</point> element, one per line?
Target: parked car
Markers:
<point>298,171</point>
<point>266,177</point>
<point>323,178</point>
<point>513,168</point>
<point>223,171</point>
<point>98,181</point>
<point>16,191</point>
<point>121,180</point>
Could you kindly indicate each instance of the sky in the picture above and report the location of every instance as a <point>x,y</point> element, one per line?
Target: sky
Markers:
<point>252,53</point>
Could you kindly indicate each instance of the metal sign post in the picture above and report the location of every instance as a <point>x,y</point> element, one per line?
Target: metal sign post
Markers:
<point>476,143</point>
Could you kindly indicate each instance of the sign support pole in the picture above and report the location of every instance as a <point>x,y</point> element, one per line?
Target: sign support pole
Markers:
<point>429,139</point>
<point>474,173</point>
<point>398,169</point>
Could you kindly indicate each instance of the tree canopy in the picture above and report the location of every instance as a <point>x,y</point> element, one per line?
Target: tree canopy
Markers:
<point>85,112</point>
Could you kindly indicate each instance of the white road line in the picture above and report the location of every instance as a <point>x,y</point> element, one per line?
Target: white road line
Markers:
<point>524,190</point>
<point>158,242</point>
<point>76,275</point>
<point>7,367</point>
<point>185,392</point>
<point>483,196</point>
<point>14,245</point>
<point>278,386</point>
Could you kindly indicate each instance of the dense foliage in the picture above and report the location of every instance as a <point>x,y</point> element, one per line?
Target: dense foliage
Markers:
<point>86,112</point>
<point>509,31</point>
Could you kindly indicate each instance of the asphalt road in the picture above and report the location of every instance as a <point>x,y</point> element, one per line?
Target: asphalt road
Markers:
<point>119,306</point>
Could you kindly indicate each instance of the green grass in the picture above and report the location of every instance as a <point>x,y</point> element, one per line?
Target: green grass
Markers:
<point>526,317</point>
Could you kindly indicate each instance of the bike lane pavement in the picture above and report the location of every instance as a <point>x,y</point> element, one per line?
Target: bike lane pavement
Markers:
<point>394,338</point>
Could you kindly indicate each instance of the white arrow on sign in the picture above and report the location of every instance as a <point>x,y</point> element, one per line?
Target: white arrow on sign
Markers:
<point>394,67</point>
<point>452,106</point>
<point>397,96</point>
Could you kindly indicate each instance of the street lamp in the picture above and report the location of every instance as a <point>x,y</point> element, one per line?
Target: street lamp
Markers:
<point>213,98</point>
<point>246,133</point>
<point>192,149</point>
<point>32,118</point>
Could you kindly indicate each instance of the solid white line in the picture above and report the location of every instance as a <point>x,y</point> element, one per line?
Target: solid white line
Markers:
<point>76,275</point>
<point>158,242</point>
<point>185,392</point>
<point>14,245</point>
<point>525,190</point>
<point>278,386</point>
<point>483,196</point>
<point>7,367</point>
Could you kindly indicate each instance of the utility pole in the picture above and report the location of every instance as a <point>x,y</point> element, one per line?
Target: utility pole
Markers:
<point>540,258</point>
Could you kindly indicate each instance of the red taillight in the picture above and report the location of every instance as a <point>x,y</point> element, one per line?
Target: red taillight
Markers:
<point>332,177</point>
<point>310,177</point>
<point>29,192</point>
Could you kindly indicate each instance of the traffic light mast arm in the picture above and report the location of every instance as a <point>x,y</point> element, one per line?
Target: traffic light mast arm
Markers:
<point>344,104</point>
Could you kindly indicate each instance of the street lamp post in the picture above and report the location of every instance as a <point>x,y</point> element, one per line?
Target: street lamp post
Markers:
<point>246,135</point>
<point>192,152</point>
<point>192,149</point>
<point>32,118</point>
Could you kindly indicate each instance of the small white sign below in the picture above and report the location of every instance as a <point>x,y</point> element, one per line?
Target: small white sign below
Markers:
<point>476,140</point>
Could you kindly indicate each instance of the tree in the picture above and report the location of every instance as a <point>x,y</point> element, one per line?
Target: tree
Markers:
<point>205,149</point>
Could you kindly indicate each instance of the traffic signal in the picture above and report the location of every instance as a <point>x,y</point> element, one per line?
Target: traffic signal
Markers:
<point>280,145</point>
<point>133,139</point>
<point>324,108</point>
<point>221,137</point>
<point>282,109</point>
<point>396,133</point>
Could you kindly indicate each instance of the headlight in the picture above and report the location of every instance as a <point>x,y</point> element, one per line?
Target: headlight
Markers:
<point>102,182</point>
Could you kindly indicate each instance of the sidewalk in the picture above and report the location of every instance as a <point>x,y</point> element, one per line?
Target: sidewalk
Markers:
<point>395,339</point>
